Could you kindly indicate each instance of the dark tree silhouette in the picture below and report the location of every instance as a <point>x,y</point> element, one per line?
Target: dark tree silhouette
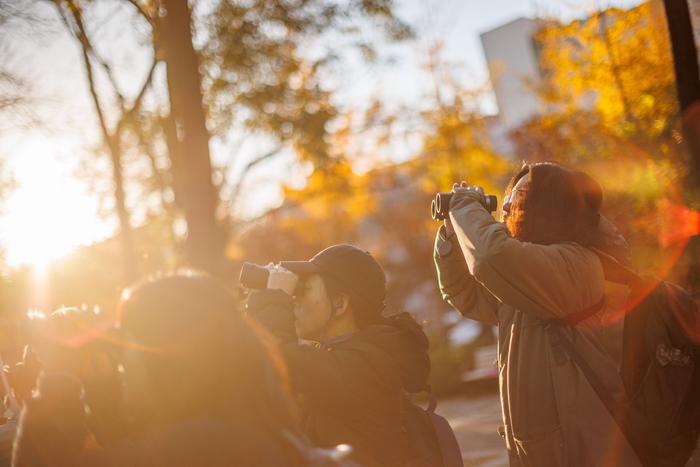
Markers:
<point>685,60</point>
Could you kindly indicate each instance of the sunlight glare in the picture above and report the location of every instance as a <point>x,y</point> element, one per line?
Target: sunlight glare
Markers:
<point>50,213</point>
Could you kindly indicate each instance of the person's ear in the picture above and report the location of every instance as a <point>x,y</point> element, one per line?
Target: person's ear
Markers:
<point>340,304</point>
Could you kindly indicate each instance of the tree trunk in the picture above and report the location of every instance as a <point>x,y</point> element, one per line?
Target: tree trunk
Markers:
<point>189,151</point>
<point>126,235</point>
<point>685,55</point>
<point>685,60</point>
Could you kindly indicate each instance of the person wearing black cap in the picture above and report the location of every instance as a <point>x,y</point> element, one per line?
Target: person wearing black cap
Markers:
<point>352,380</point>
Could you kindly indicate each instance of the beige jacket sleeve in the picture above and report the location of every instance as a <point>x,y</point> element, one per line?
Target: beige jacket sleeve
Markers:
<point>550,281</point>
<point>458,287</point>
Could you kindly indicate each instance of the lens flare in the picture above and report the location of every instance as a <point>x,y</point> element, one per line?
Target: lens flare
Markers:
<point>678,223</point>
<point>672,224</point>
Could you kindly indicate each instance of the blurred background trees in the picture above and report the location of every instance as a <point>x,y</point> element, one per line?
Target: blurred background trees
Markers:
<point>612,109</point>
<point>262,75</point>
<point>248,73</point>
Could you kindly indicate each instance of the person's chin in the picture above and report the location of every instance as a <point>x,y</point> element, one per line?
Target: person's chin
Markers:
<point>301,332</point>
<point>305,334</point>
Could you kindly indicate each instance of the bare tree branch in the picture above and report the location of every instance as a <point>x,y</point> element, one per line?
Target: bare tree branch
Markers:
<point>89,51</point>
<point>16,102</point>
<point>79,32</point>
<point>136,106</point>
<point>149,79</point>
<point>85,41</point>
<point>147,147</point>
<point>141,11</point>
<point>9,102</point>
<point>110,76</point>
<point>246,170</point>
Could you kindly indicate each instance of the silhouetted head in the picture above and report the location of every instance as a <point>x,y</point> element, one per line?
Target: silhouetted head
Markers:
<point>68,340</point>
<point>189,353</point>
<point>342,289</point>
<point>546,203</point>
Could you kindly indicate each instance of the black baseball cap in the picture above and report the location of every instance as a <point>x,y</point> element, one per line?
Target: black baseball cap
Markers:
<point>352,268</point>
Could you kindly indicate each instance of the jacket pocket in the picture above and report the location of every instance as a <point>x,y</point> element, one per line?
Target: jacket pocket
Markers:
<point>545,449</point>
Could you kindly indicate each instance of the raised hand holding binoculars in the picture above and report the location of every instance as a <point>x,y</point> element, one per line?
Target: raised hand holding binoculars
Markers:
<point>440,206</point>
<point>271,276</point>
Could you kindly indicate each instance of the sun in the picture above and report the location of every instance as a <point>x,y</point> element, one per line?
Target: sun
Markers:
<point>38,248</point>
<point>50,213</point>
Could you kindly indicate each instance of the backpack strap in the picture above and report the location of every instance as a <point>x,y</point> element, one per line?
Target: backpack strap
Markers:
<point>620,417</point>
<point>615,271</point>
<point>568,346</point>
<point>575,318</point>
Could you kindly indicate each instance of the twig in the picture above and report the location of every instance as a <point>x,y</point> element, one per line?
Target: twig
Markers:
<point>85,47</point>
<point>136,106</point>
<point>259,160</point>
<point>141,11</point>
<point>249,166</point>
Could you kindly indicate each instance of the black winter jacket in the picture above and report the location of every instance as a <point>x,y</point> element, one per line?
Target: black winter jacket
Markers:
<point>352,390</point>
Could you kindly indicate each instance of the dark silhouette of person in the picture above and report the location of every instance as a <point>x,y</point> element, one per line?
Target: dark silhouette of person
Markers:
<point>202,386</point>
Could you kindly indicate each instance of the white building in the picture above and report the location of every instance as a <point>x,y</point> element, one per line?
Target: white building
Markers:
<point>511,56</point>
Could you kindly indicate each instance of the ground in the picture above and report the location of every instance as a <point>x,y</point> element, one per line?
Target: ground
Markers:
<point>475,421</point>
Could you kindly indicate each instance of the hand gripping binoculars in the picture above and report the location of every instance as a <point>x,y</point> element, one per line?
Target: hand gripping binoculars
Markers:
<point>254,276</point>
<point>440,207</point>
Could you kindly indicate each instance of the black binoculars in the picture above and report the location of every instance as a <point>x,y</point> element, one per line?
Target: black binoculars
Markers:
<point>254,276</point>
<point>440,207</point>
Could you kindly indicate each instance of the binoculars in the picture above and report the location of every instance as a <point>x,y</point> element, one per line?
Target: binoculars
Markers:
<point>440,207</point>
<point>254,276</point>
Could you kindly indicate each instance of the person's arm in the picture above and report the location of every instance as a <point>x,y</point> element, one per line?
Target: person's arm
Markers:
<point>318,375</point>
<point>457,286</point>
<point>274,310</point>
<point>538,279</point>
<point>273,307</point>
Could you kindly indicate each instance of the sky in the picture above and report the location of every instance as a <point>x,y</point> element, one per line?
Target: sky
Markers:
<point>53,208</point>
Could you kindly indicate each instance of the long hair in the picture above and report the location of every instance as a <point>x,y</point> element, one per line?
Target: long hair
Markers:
<point>555,205</point>
<point>201,356</point>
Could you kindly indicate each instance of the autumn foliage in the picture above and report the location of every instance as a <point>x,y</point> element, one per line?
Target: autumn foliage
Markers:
<point>609,108</point>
